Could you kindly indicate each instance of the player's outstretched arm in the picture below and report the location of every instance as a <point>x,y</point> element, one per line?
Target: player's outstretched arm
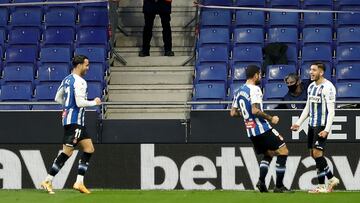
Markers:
<point>234,112</point>
<point>304,115</point>
<point>256,110</point>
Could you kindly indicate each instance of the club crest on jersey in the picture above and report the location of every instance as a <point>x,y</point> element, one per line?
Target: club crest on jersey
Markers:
<point>250,124</point>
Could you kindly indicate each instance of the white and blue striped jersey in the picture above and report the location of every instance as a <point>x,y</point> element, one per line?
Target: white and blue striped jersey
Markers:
<point>318,97</point>
<point>72,92</point>
<point>246,96</point>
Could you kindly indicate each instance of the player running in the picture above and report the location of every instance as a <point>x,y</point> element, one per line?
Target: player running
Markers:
<point>266,140</point>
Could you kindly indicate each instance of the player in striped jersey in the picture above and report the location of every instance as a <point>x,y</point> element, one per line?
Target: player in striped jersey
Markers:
<point>320,106</point>
<point>266,140</point>
<point>72,94</point>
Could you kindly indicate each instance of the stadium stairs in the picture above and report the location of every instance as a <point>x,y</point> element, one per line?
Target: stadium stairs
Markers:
<point>156,78</point>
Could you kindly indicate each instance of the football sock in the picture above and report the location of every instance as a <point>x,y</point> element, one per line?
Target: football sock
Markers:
<point>280,170</point>
<point>83,166</point>
<point>264,167</point>
<point>58,164</point>
<point>323,169</point>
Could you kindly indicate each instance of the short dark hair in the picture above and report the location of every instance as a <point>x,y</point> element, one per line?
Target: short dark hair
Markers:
<point>78,59</point>
<point>251,70</point>
<point>320,65</point>
<point>295,76</point>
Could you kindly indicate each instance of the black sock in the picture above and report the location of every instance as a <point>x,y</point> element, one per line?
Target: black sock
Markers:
<point>280,170</point>
<point>264,167</point>
<point>322,168</point>
<point>58,163</point>
<point>84,163</point>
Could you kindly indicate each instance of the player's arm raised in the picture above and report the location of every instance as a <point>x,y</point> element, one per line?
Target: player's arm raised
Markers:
<point>256,110</point>
<point>80,96</point>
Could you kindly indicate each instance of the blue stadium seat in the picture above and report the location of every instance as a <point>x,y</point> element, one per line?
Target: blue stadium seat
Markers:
<point>50,72</point>
<point>251,3</point>
<point>55,55</point>
<point>95,54</point>
<point>284,35</point>
<point>316,4</point>
<point>93,36</point>
<point>348,35</point>
<point>16,92</point>
<point>213,53</point>
<point>348,53</point>
<point>292,53</point>
<point>248,53</point>
<point>46,91</point>
<point>348,4</point>
<point>21,54</point>
<point>24,36</point>
<point>95,89</point>
<point>27,16</point>
<point>94,16</point>
<point>3,37</point>
<point>348,19</point>
<point>234,88</point>
<point>317,35</point>
<point>317,53</point>
<point>211,72</point>
<point>275,90</point>
<point>347,90</point>
<point>208,92</point>
<point>284,19</point>
<point>217,2</point>
<point>59,36</point>
<point>279,72</point>
<point>347,71</point>
<point>4,17</point>
<point>214,36</point>
<point>249,36</point>
<point>318,19</point>
<point>61,16</point>
<point>249,18</point>
<point>305,69</point>
<point>284,4</point>
<point>18,73</point>
<point>95,73</point>
<point>238,72</point>
<point>50,6</point>
<point>211,17</point>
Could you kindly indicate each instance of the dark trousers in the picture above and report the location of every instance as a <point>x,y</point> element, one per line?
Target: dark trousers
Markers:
<point>147,34</point>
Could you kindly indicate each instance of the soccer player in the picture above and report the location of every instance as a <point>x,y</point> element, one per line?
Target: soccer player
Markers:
<point>320,106</point>
<point>266,140</point>
<point>72,94</point>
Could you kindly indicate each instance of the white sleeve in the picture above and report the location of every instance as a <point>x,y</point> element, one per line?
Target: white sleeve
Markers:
<point>235,103</point>
<point>59,97</point>
<point>330,95</point>
<point>256,95</point>
<point>304,114</point>
<point>80,95</point>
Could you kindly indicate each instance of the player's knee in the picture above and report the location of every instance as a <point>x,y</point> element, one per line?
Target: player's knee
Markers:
<point>90,150</point>
<point>316,153</point>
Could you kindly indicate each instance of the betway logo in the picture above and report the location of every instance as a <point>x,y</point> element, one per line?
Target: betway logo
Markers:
<point>228,162</point>
<point>11,174</point>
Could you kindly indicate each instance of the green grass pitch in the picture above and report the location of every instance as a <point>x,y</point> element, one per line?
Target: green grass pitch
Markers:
<point>176,196</point>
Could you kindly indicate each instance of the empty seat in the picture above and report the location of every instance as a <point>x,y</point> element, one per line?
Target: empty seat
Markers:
<point>4,17</point>
<point>59,36</point>
<point>317,53</point>
<point>292,53</point>
<point>284,35</point>
<point>2,37</point>
<point>94,89</point>
<point>234,89</point>
<point>212,17</point>
<point>16,92</point>
<point>95,73</point>
<point>251,3</point>
<point>282,19</point>
<point>95,54</point>
<point>348,53</point>
<point>279,72</point>
<point>61,16</point>
<point>318,19</point>
<point>213,53</point>
<point>305,70</point>
<point>46,91</point>
<point>250,18</point>
<point>347,35</point>
<point>285,4</point>
<point>27,16</point>
<point>247,53</point>
<point>24,35</point>
<point>348,19</point>
<point>49,72</point>
<point>249,36</point>
<point>275,90</point>
<point>322,35</point>
<point>316,4</point>
<point>347,71</point>
<point>18,73</point>
<point>348,90</point>
<point>214,36</point>
<point>94,16</point>
<point>211,72</point>
<point>55,55</point>
<point>238,72</point>
<point>217,2</point>
<point>347,4</point>
<point>92,36</point>
<point>208,92</point>
<point>21,54</point>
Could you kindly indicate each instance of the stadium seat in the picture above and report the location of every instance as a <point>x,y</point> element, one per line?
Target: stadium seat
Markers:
<point>95,89</point>
<point>348,53</point>
<point>95,54</point>
<point>211,17</point>
<point>50,72</point>
<point>284,4</point>
<point>2,37</point>
<point>238,72</point>
<point>93,16</point>
<point>316,4</point>
<point>279,72</point>
<point>284,35</point>
<point>16,92</point>
<point>317,53</point>
<point>348,19</point>
<point>46,91</point>
<point>234,88</point>
<point>208,92</point>
<point>213,53</point>
<point>249,36</point>
<point>214,36</point>
<point>348,35</point>
<point>249,18</point>
<point>305,69</point>
<point>211,72</point>
<point>95,73</point>
<point>217,2</point>
<point>251,3</point>
<point>292,53</point>
<point>318,19</point>
<point>347,71</point>
<point>59,36</point>
<point>24,36</point>
<point>317,35</point>
<point>27,16</point>
<point>275,90</point>
<point>21,54</point>
<point>4,17</point>
<point>93,36</point>
<point>18,73</point>
<point>55,55</point>
<point>284,19</point>
<point>348,4</point>
<point>247,53</point>
<point>61,16</point>
<point>348,90</point>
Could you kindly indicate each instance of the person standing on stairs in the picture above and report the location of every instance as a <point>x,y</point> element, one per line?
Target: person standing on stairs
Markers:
<point>150,9</point>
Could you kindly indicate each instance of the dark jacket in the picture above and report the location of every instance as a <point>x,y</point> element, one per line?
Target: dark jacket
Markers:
<point>157,6</point>
<point>302,97</point>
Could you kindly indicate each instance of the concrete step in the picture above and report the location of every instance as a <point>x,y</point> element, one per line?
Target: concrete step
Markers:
<point>155,78</point>
<point>147,113</point>
<point>139,3</point>
<point>150,87</point>
<point>154,51</point>
<point>151,68</point>
<point>149,95</point>
<point>150,61</point>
